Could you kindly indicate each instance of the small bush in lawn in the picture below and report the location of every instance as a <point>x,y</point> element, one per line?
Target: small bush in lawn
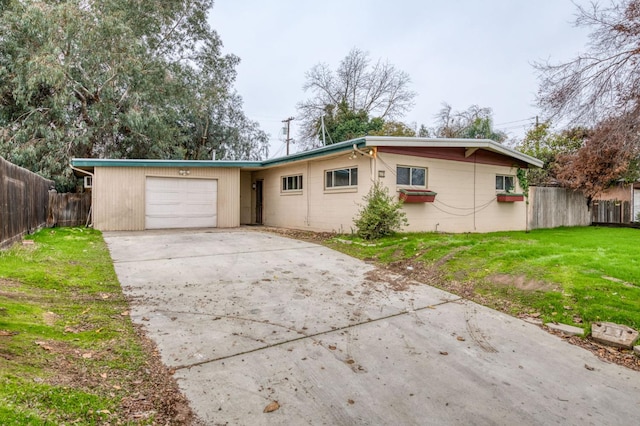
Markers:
<point>380,216</point>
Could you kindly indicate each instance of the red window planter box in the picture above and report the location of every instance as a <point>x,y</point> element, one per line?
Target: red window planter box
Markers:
<point>409,196</point>
<point>510,198</point>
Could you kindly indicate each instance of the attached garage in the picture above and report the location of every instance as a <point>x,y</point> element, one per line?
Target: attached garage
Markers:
<point>180,203</point>
<point>133,195</point>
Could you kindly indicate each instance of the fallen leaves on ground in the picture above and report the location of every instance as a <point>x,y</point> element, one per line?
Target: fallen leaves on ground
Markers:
<point>273,406</point>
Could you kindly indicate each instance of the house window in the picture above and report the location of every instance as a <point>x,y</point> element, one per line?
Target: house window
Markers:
<point>412,176</point>
<point>292,183</point>
<point>341,177</point>
<point>505,183</point>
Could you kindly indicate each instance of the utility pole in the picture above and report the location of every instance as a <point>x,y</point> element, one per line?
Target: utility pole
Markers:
<point>324,142</point>
<point>288,121</point>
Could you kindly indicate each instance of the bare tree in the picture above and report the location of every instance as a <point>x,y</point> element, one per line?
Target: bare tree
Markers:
<point>379,90</point>
<point>604,82</point>
<point>599,89</point>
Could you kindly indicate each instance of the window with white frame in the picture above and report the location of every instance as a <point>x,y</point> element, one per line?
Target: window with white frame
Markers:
<point>411,176</point>
<point>341,178</point>
<point>292,183</point>
<point>505,183</point>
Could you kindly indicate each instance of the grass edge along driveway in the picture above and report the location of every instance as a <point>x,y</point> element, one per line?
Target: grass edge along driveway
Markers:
<point>69,352</point>
<point>574,276</point>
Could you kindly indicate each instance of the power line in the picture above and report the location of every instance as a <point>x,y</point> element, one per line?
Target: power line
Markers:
<point>516,121</point>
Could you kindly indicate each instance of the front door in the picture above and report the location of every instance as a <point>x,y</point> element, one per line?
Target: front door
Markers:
<point>259,200</point>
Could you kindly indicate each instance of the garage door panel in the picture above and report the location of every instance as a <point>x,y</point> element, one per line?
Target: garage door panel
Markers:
<point>180,203</point>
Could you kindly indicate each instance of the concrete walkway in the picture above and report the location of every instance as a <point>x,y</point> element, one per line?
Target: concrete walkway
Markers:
<point>246,318</point>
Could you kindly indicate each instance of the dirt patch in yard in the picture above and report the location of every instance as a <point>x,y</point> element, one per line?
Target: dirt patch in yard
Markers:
<point>310,236</point>
<point>520,282</point>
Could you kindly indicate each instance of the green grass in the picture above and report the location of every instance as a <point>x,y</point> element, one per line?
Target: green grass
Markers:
<point>72,353</point>
<point>571,275</point>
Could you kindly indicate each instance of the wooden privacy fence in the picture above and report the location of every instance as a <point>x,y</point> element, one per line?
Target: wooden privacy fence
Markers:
<point>69,209</point>
<point>24,197</point>
<point>611,211</point>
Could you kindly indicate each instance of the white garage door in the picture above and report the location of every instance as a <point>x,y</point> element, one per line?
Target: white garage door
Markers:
<point>181,203</point>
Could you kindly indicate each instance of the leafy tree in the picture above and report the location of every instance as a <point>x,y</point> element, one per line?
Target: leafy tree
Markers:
<point>394,128</point>
<point>375,90</point>
<point>601,86</point>
<point>381,215</point>
<point>540,142</point>
<point>475,122</point>
<point>342,123</point>
<point>115,78</point>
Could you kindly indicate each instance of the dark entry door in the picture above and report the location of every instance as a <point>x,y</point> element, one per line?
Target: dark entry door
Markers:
<point>259,201</point>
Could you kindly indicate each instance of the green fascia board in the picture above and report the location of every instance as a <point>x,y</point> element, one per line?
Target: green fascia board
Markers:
<point>102,162</point>
<point>318,152</point>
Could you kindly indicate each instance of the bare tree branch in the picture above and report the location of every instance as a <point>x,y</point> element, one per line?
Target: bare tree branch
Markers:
<point>379,90</point>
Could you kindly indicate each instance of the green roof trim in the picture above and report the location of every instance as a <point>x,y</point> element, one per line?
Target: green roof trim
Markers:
<point>102,162</point>
<point>317,152</point>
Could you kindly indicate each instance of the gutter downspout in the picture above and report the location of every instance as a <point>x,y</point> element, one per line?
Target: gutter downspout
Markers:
<point>90,215</point>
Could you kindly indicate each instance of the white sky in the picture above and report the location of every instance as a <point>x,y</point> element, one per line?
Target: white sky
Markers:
<point>462,52</point>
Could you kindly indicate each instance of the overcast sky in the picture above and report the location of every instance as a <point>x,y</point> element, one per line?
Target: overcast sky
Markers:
<point>462,52</point>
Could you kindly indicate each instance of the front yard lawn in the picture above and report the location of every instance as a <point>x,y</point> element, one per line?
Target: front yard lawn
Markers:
<point>570,275</point>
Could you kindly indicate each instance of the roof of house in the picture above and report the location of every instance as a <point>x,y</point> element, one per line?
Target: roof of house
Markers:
<point>470,145</point>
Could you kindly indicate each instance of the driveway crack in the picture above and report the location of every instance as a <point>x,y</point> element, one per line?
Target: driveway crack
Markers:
<point>304,335</point>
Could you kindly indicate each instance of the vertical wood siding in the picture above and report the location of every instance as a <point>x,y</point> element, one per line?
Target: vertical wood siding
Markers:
<point>119,200</point>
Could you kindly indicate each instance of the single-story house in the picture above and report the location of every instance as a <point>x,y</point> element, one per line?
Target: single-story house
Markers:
<point>449,185</point>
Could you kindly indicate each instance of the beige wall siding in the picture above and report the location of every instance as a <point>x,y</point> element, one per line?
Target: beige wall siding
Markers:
<point>466,200</point>
<point>119,203</point>
<point>245,198</point>
<point>314,208</point>
<point>619,192</point>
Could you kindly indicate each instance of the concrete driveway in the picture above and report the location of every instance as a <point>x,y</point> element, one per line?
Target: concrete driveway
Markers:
<point>247,318</point>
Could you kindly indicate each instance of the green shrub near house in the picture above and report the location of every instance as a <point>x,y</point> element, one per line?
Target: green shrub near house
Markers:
<point>380,216</point>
